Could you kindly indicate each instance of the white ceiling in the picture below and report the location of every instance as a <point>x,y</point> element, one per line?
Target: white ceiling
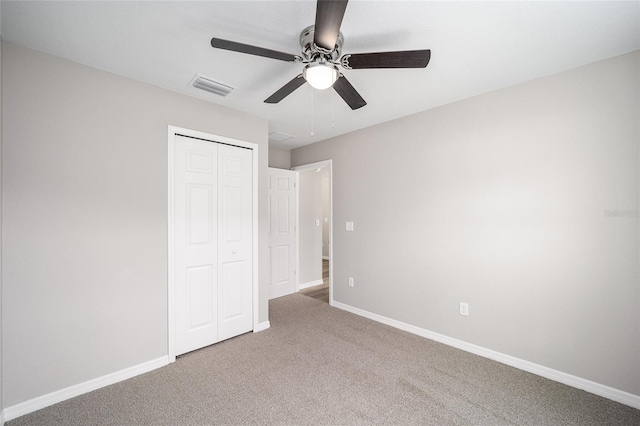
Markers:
<point>476,47</point>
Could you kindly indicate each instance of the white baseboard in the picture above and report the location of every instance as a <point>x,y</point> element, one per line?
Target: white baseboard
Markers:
<point>43,401</point>
<point>262,326</point>
<point>617,395</point>
<point>309,284</point>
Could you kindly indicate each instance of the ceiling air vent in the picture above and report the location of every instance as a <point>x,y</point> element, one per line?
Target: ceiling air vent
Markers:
<point>204,83</point>
<point>279,137</point>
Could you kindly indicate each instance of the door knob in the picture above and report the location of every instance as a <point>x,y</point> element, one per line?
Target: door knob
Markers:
<point>233,252</point>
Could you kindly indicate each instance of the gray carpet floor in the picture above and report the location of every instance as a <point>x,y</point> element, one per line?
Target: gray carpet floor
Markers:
<point>318,365</point>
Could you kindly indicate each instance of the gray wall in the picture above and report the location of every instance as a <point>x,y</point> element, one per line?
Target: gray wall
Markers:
<point>499,201</point>
<point>279,158</point>
<point>310,235</point>
<point>85,218</point>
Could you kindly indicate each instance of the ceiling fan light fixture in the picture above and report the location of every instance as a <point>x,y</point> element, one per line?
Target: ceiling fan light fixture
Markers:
<point>321,75</point>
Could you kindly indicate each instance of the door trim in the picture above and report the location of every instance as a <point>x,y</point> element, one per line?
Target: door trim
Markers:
<point>171,133</point>
<point>303,168</point>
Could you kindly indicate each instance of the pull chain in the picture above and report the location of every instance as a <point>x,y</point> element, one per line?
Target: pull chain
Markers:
<point>332,111</point>
<point>312,134</point>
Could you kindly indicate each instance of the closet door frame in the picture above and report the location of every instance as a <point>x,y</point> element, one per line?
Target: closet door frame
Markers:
<point>172,132</point>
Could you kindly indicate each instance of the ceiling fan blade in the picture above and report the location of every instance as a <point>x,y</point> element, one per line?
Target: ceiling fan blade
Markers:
<point>348,93</point>
<point>219,43</point>
<point>285,90</point>
<point>402,59</point>
<point>329,14</point>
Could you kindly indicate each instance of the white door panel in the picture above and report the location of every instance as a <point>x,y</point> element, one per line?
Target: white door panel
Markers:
<point>200,310</point>
<point>282,232</point>
<point>235,243</point>
<point>195,192</point>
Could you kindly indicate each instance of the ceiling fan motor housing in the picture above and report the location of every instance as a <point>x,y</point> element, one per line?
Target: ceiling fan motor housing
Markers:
<point>312,52</point>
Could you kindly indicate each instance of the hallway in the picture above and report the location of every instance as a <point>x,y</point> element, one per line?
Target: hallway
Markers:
<point>320,292</point>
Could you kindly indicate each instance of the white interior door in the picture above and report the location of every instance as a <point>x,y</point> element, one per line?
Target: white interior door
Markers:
<point>196,243</point>
<point>282,232</point>
<point>235,249</point>
<point>213,242</point>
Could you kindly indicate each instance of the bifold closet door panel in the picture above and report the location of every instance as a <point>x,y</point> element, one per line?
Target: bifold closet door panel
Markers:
<point>235,248</point>
<point>196,243</point>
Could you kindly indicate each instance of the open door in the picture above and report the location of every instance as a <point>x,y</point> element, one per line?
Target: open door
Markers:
<point>282,232</point>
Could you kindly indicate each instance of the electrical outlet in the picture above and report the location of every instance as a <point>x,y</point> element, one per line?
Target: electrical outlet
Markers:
<point>464,309</point>
<point>351,282</point>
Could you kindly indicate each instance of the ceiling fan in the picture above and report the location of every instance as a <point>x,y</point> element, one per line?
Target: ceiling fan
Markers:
<point>321,49</point>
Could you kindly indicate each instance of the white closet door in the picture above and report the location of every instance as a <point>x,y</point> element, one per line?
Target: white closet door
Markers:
<point>213,242</point>
<point>282,232</point>
<point>235,255</point>
<point>196,243</point>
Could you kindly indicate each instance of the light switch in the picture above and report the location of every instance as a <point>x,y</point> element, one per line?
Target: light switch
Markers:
<point>349,226</point>
<point>326,220</point>
<point>317,222</point>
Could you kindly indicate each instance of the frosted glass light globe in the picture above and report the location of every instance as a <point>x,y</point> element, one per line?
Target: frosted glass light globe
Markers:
<point>320,75</point>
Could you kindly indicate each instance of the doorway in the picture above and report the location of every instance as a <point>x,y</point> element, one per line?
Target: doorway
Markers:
<point>315,225</point>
